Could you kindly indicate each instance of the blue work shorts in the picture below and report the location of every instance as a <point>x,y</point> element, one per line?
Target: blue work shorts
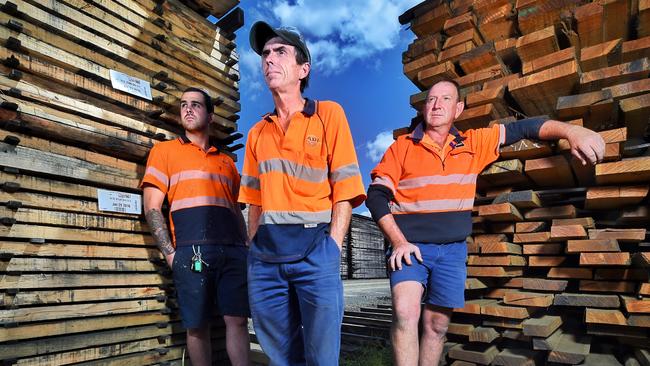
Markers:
<point>221,286</point>
<point>442,273</point>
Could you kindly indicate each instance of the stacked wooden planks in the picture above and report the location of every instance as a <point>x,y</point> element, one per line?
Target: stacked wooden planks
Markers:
<point>559,256</point>
<point>363,253</point>
<point>78,283</point>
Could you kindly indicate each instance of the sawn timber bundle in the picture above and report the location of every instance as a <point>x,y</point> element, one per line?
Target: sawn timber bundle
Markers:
<point>79,284</point>
<point>559,256</point>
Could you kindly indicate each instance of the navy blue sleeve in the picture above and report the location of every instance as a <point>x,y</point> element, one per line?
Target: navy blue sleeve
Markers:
<point>377,201</point>
<point>527,128</point>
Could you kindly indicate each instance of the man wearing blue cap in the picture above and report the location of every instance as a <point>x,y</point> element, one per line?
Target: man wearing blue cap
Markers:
<point>301,180</point>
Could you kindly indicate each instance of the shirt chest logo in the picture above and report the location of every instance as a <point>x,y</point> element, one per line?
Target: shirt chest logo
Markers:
<point>312,140</point>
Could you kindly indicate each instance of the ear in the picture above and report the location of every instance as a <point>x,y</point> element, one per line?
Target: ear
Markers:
<point>460,107</point>
<point>304,70</point>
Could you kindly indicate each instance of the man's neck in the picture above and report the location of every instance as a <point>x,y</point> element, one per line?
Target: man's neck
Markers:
<point>200,138</point>
<point>438,134</point>
<point>286,105</point>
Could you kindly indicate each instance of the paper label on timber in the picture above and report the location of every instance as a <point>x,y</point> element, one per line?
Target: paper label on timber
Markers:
<point>130,84</point>
<point>119,202</point>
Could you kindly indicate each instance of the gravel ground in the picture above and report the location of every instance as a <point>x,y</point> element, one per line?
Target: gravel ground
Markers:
<point>359,293</point>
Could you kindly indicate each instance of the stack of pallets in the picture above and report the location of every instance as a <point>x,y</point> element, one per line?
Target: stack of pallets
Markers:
<point>79,282</point>
<point>559,256</point>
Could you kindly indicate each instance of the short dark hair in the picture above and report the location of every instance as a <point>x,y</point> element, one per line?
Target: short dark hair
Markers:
<point>302,59</point>
<point>446,79</point>
<point>209,106</point>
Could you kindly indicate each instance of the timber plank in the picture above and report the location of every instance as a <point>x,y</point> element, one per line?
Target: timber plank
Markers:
<point>70,234</point>
<point>69,342</point>
<point>23,298</point>
<point>586,222</point>
<point>547,61</point>
<point>511,312</point>
<point>78,251</point>
<point>526,149</point>
<point>521,298</point>
<point>517,356</point>
<point>545,261</point>
<point>504,172</point>
<point>601,55</point>
<point>571,349</point>
<point>496,260</point>
<point>69,280</point>
<point>432,21</point>
<point>46,265</point>
<point>553,212</point>
<point>604,316</point>
<point>589,245</point>
<point>566,232</point>
<point>635,49</point>
<point>35,216</point>
<point>530,226</point>
<point>537,44</point>
<point>500,212</point>
<point>80,325</point>
<point>481,354</point>
<point>501,248</point>
<point>573,273</point>
<point>543,326</point>
<point>537,93</point>
<point>612,75</point>
<point>544,284</point>
<point>622,235</point>
<point>61,312</point>
<point>483,335</point>
<point>607,286</point>
<point>493,271</point>
<point>605,259</point>
<point>553,171</point>
<point>587,300</point>
<point>635,111</point>
<point>537,237</point>
<point>600,198</point>
<point>634,305</point>
<point>546,248</point>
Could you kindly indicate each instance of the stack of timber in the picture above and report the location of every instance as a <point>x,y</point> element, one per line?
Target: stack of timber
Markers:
<point>558,259</point>
<point>363,252</point>
<point>81,283</point>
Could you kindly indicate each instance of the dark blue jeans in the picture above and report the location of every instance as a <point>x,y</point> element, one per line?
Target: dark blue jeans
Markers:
<point>297,307</point>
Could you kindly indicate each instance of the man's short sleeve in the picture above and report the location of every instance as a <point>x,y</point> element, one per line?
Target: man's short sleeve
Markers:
<point>486,143</point>
<point>156,173</point>
<point>387,173</point>
<point>344,176</point>
<point>249,188</point>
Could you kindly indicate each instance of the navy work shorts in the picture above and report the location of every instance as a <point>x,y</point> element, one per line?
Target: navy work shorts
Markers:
<point>222,285</point>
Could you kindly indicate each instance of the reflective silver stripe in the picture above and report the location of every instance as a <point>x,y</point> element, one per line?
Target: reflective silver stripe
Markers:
<point>199,174</point>
<point>293,169</point>
<point>437,179</point>
<point>250,182</point>
<point>296,217</point>
<point>157,174</point>
<point>344,172</point>
<point>502,135</point>
<point>434,205</point>
<point>200,201</point>
<point>384,182</point>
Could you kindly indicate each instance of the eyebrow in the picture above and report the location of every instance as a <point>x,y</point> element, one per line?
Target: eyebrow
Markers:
<point>275,49</point>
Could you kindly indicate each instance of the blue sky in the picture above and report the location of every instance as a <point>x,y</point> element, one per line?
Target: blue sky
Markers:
<point>356,49</point>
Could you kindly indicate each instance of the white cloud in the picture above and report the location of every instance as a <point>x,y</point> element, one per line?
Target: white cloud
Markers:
<point>378,146</point>
<point>340,32</point>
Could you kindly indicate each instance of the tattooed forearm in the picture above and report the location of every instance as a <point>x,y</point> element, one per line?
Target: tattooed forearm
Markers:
<point>158,228</point>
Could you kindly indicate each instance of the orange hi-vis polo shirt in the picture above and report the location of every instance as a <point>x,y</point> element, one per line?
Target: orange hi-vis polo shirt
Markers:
<point>434,187</point>
<point>201,187</point>
<point>296,176</point>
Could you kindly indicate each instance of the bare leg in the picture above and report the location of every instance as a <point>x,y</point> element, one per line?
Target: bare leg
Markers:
<point>435,321</point>
<point>407,297</point>
<point>198,345</point>
<point>237,342</point>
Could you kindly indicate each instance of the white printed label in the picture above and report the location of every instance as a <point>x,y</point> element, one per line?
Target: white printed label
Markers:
<point>119,202</point>
<point>130,85</point>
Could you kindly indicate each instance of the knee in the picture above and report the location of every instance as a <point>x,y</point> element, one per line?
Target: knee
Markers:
<point>235,321</point>
<point>435,328</point>
<point>406,317</point>
<point>201,333</point>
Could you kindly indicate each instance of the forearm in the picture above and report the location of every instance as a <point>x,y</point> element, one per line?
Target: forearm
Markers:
<point>341,213</point>
<point>390,229</point>
<point>555,130</point>
<point>159,231</point>
<point>254,213</point>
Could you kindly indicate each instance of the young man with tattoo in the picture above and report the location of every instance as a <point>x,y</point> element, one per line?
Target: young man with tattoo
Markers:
<point>206,243</point>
